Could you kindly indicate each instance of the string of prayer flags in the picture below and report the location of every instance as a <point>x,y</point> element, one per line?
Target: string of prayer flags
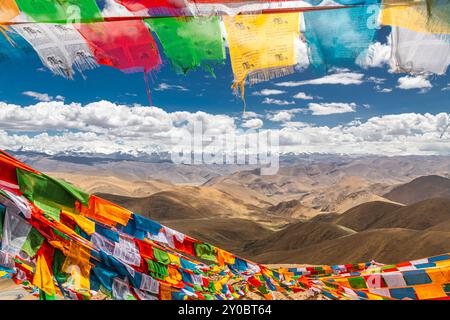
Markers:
<point>263,37</point>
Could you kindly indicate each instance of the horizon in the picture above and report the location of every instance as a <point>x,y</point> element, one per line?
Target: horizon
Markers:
<point>365,108</point>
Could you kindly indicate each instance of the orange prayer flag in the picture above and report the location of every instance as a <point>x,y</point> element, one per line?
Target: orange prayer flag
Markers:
<point>106,212</point>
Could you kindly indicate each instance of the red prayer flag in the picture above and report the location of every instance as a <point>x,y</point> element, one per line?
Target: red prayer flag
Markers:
<point>125,45</point>
<point>169,7</point>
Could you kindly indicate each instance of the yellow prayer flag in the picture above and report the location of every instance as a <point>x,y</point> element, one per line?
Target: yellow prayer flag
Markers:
<point>174,259</point>
<point>413,17</point>
<point>43,278</point>
<point>262,46</point>
<point>84,223</point>
<point>174,275</point>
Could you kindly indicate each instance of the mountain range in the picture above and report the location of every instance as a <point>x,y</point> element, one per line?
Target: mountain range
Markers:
<point>318,209</point>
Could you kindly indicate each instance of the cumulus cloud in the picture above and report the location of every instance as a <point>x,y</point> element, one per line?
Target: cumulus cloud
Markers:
<point>277,102</point>
<point>376,56</point>
<point>43,97</point>
<point>250,114</point>
<point>105,127</point>
<point>414,82</point>
<point>341,78</point>
<point>253,124</point>
<point>295,124</point>
<point>303,96</point>
<point>302,55</point>
<point>268,92</point>
<point>165,86</point>
<point>284,115</point>
<point>281,116</point>
<point>322,109</point>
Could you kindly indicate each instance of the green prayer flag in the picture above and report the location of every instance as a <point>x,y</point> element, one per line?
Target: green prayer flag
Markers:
<point>49,210</point>
<point>357,283</point>
<point>189,42</point>
<point>205,251</point>
<point>208,296</point>
<point>2,218</point>
<point>197,287</point>
<point>263,289</point>
<point>61,11</point>
<point>33,242</point>
<point>161,256</point>
<point>58,262</point>
<point>42,189</point>
<point>45,296</point>
<point>211,287</point>
<point>158,270</point>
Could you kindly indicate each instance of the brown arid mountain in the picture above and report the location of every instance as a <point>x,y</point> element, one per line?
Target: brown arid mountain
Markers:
<point>418,216</point>
<point>297,235</point>
<point>386,232</point>
<point>365,215</point>
<point>389,245</point>
<point>419,189</point>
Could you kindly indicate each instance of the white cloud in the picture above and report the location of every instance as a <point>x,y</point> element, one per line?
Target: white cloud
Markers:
<point>284,115</point>
<point>281,116</point>
<point>105,127</point>
<point>250,114</point>
<point>414,82</point>
<point>321,109</point>
<point>104,117</point>
<point>43,97</point>
<point>165,86</point>
<point>295,124</point>
<point>377,55</point>
<point>342,78</point>
<point>253,124</point>
<point>302,55</point>
<point>446,88</point>
<point>277,102</point>
<point>303,96</point>
<point>376,80</point>
<point>268,92</point>
<point>382,90</point>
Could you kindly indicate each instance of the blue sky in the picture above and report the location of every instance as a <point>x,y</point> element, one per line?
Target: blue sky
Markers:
<point>37,111</point>
<point>214,95</point>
